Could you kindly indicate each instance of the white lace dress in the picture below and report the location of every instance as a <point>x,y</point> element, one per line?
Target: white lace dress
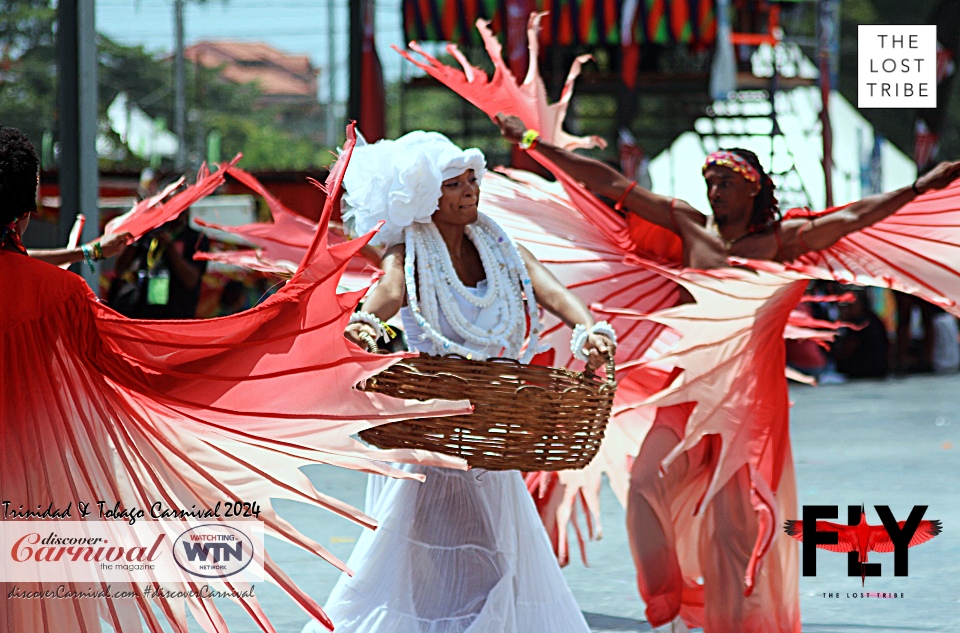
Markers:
<point>463,552</point>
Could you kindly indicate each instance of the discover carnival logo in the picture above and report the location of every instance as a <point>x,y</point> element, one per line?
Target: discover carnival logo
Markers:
<point>115,551</point>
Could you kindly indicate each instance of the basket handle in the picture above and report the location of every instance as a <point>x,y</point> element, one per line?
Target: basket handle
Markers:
<point>370,342</point>
<point>611,370</point>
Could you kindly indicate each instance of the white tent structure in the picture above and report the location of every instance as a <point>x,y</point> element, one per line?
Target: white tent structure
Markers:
<point>863,162</point>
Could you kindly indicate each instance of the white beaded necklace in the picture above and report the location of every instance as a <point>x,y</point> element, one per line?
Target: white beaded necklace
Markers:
<point>428,259</point>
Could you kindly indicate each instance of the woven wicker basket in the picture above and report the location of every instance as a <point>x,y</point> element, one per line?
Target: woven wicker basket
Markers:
<point>526,417</point>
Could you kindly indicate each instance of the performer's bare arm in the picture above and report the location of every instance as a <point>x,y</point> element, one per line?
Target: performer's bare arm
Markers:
<point>702,249</point>
<point>670,213</point>
<point>559,301</point>
<point>804,235</point>
<point>110,244</point>
<point>386,299</point>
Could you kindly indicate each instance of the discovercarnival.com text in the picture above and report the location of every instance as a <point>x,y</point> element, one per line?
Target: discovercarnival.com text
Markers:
<point>63,592</point>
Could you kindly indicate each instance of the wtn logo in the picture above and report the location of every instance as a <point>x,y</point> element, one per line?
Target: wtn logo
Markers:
<point>212,552</point>
<point>858,538</point>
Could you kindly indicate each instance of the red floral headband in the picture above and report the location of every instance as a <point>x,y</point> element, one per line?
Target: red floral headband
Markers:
<point>730,160</point>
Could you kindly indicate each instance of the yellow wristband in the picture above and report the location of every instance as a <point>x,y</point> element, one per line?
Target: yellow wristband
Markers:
<point>529,139</point>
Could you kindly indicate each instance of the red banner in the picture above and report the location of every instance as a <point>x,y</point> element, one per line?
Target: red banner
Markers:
<point>372,121</point>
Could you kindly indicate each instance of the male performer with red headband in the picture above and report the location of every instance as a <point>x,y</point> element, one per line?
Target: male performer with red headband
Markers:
<point>746,219</point>
<point>664,534</point>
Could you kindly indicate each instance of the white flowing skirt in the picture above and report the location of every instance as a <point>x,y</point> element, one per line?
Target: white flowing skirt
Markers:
<point>463,552</point>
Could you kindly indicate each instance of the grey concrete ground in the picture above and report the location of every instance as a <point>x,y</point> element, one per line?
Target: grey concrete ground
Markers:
<point>895,442</point>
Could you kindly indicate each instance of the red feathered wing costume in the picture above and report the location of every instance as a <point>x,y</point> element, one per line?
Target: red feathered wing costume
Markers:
<point>720,384</point>
<point>99,407</point>
<point>710,371</point>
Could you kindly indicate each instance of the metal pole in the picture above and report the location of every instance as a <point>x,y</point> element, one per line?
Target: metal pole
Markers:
<point>356,56</point>
<point>333,134</point>
<point>179,88</point>
<point>77,97</point>
<point>828,24</point>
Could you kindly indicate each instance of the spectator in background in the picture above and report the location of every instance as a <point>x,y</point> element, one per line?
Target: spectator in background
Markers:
<point>945,357</point>
<point>806,355</point>
<point>861,351</point>
<point>157,277</point>
<point>913,354</point>
<point>234,298</point>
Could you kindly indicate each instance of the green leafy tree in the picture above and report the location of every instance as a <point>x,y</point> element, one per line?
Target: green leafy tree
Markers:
<point>269,137</point>
<point>28,91</point>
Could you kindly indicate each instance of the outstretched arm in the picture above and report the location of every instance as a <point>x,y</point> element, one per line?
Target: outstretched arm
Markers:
<point>670,213</point>
<point>801,236</point>
<point>702,249</point>
<point>557,300</point>
<point>386,299</point>
<point>110,245</point>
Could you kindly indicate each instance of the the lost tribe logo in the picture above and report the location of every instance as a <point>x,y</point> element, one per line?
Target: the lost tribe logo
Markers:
<point>896,66</point>
<point>858,538</point>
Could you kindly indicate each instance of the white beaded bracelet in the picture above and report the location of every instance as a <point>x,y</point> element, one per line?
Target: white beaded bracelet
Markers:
<point>370,319</point>
<point>580,334</point>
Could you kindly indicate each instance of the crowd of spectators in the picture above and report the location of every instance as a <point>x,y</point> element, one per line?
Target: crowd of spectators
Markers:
<point>880,333</point>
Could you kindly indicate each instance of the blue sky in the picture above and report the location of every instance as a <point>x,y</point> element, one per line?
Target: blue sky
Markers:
<point>293,26</point>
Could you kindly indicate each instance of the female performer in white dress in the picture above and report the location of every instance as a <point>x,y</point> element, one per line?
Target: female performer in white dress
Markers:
<point>463,552</point>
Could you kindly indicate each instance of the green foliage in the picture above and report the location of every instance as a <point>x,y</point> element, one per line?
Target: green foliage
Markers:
<point>26,24</point>
<point>854,12</point>
<point>271,137</point>
<point>264,146</point>
<point>435,108</point>
<point>133,70</point>
<point>27,66</point>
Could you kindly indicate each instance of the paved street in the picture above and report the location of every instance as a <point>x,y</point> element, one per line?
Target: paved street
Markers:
<point>893,443</point>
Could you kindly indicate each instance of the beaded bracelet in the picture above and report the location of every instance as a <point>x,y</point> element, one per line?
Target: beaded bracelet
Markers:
<point>916,191</point>
<point>581,333</point>
<point>529,139</point>
<point>370,319</point>
<point>97,251</point>
<point>88,257</point>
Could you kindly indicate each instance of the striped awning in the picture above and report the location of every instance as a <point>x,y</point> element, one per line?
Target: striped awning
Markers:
<point>569,22</point>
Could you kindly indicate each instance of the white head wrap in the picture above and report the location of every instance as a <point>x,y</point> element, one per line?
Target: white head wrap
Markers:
<point>400,181</point>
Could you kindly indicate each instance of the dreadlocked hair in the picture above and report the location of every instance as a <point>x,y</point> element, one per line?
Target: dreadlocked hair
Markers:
<point>18,175</point>
<point>766,211</point>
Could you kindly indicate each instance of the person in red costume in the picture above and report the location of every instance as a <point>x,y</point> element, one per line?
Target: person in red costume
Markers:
<point>188,414</point>
<point>745,223</point>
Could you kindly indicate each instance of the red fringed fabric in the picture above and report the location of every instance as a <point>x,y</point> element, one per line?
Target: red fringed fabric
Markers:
<point>99,407</point>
